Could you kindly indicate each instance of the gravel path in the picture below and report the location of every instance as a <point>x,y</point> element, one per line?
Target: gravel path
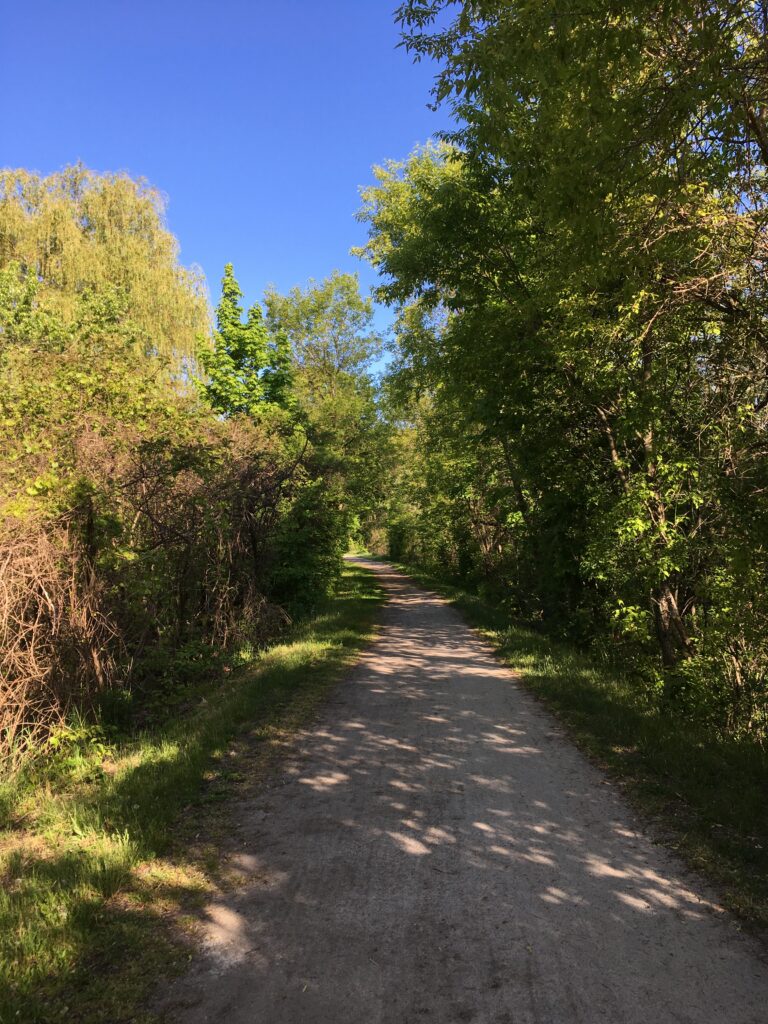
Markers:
<point>436,851</point>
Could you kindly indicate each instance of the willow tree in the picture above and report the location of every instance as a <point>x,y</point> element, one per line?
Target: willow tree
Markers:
<point>80,233</point>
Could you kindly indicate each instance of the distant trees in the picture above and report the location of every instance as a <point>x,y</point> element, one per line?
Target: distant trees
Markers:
<point>328,327</point>
<point>579,273</point>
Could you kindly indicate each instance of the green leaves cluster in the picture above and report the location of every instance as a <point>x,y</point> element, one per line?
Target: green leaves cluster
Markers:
<point>247,367</point>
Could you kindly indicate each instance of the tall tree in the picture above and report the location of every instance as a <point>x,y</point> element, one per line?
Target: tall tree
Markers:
<point>80,233</point>
<point>583,275</point>
<point>246,368</point>
<point>329,327</point>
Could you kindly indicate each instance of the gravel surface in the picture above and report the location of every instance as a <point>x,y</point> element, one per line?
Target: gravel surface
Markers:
<point>435,850</point>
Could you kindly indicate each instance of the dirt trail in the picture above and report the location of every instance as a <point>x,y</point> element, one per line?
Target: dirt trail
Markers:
<point>436,851</point>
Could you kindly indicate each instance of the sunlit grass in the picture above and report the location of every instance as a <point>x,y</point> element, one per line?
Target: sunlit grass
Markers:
<point>94,881</point>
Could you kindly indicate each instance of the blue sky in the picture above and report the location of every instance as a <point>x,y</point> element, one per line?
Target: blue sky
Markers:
<point>257,120</point>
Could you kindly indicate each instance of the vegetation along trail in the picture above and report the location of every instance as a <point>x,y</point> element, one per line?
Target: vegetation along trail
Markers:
<point>436,850</point>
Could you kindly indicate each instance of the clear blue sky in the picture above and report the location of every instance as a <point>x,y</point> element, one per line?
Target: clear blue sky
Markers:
<point>257,120</point>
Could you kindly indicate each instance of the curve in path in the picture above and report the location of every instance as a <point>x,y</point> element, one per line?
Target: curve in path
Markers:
<point>435,850</point>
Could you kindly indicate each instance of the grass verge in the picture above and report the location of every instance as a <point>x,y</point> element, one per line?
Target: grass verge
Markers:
<point>706,797</point>
<point>100,870</point>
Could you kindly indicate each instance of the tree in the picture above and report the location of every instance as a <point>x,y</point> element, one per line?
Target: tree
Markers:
<point>246,369</point>
<point>328,326</point>
<point>602,330</point>
<point>80,233</point>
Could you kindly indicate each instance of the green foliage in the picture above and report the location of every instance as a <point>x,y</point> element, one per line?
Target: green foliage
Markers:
<point>328,325</point>
<point>78,234</point>
<point>579,278</point>
<point>145,524</point>
<point>245,369</point>
<point>309,542</point>
<point>328,328</point>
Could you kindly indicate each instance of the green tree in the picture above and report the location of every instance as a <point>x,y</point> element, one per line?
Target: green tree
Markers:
<point>78,232</point>
<point>329,327</point>
<point>236,362</point>
<point>581,278</point>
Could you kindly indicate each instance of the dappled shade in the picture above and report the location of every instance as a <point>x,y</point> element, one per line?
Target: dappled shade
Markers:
<point>437,850</point>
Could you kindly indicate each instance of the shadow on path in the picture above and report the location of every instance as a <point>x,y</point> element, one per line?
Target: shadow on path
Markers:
<point>437,851</point>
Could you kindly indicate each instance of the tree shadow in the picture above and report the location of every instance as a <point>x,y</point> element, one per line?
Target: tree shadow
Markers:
<point>437,850</point>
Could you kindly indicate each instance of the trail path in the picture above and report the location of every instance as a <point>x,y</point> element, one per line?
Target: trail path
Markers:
<point>436,851</point>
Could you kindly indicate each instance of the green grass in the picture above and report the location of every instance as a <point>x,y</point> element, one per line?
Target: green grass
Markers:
<point>704,796</point>
<point>100,873</point>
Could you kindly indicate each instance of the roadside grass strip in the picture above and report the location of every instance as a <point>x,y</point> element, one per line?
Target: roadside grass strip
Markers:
<point>107,854</point>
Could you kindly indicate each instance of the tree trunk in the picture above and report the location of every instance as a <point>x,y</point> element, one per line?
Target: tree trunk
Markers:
<point>670,629</point>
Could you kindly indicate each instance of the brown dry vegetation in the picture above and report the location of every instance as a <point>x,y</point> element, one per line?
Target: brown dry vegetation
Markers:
<point>56,641</point>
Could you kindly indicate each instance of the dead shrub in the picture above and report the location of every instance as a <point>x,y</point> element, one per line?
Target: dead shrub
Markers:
<point>163,541</point>
<point>58,646</point>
